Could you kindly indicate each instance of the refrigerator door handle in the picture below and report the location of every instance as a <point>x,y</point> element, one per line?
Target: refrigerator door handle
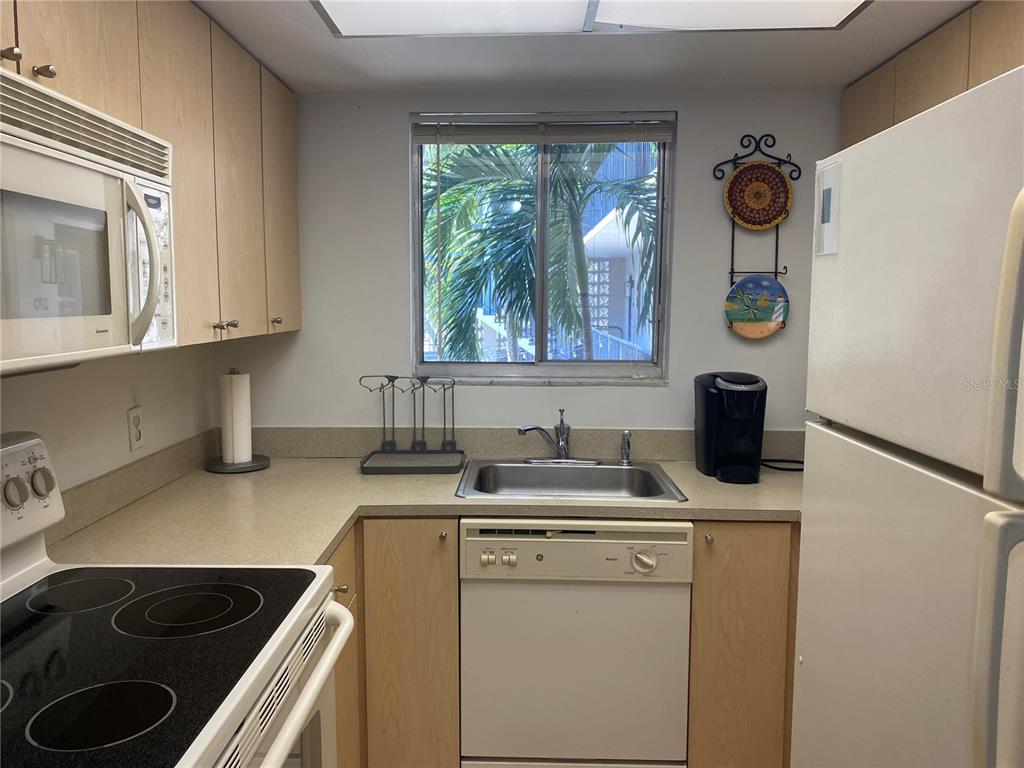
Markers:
<point>1002,532</point>
<point>1001,477</point>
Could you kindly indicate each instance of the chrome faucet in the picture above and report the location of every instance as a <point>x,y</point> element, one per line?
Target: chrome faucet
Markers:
<point>560,443</point>
<point>624,448</point>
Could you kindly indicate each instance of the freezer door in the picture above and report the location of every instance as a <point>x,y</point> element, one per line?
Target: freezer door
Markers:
<point>890,557</point>
<point>902,308</point>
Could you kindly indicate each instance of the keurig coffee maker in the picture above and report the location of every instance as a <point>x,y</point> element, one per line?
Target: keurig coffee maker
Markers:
<point>729,425</point>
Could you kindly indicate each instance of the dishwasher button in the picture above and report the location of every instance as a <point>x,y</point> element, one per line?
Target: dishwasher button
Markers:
<point>505,560</point>
<point>483,559</point>
<point>513,559</point>
<point>491,559</point>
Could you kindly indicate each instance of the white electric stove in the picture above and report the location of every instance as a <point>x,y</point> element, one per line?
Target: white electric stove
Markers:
<point>221,666</point>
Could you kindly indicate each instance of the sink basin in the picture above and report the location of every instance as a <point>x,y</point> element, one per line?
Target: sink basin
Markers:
<point>603,482</point>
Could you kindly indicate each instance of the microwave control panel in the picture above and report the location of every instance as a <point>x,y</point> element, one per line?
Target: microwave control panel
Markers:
<point>161,330</point>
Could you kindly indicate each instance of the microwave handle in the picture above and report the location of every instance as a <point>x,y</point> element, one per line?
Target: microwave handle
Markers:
<point>140,323</point>
<point>1001,477</point>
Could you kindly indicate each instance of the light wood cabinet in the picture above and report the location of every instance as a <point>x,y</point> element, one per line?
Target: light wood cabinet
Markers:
<point>868,105</point>
<point>8,33</point>
<point>93,46</point>
<point>740,640</point>
<point>349,672</point>
<point>177,105</point>
<point>281,204</point>
<point>997,39</point>
<point>412,642</point>
<point>238,163</point>
<point>933,69</point>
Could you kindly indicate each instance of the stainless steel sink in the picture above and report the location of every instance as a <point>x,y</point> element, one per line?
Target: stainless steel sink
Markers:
<point>603,482</point>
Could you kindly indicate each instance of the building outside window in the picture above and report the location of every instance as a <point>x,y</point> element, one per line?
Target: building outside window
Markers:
<point>541,244</point>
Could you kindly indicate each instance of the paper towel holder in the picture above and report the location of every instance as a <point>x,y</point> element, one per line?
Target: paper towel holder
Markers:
<point>221,467</point>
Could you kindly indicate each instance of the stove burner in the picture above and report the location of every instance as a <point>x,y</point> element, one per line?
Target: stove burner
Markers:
<point>80,595</point>
<point>100,716</point>
<point>6,694</point>
<point>187,610</point>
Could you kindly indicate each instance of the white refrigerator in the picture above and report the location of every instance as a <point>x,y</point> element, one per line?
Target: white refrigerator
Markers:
<point>910,609</point>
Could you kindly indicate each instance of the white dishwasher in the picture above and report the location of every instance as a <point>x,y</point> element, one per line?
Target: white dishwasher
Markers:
<point>575,639</point>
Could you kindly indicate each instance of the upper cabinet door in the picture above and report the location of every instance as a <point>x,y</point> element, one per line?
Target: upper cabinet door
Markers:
<point>93,48</point>
<point>280,204</point>
<point>997,39</point>
<point>868,105</point>
<point>238,160</point>
<point>934,68</point>
<point>8,33</point>
<point>177,105</point>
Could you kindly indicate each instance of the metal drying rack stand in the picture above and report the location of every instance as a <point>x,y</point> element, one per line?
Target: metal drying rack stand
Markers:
<point>418,459</point>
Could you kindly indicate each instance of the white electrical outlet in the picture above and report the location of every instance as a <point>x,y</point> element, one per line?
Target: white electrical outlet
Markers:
<point>136,434</point>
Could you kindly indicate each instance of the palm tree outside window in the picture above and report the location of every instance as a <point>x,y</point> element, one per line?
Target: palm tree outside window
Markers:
<point>540,245</point>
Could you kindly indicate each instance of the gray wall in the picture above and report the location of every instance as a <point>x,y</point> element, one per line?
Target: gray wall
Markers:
<point>355,230</point>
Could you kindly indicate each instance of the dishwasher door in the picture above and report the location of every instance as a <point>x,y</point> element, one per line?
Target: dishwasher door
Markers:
<point>570,653</point>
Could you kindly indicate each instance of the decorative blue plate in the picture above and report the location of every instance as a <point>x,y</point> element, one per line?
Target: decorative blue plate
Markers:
<point>757,306</point>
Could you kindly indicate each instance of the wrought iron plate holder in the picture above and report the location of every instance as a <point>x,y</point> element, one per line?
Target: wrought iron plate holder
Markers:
<point>758,145</point>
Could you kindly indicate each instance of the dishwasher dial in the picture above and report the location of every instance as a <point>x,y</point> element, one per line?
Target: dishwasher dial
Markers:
<point>644,562</point>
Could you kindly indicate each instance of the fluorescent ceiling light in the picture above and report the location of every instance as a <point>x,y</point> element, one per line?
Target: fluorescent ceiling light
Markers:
<point>726,14</point>
<point>365,18</point>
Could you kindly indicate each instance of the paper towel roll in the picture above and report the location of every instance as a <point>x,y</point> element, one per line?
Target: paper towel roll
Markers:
<point>235,418</point>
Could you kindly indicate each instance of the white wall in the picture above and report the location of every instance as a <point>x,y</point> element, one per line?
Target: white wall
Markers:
<point>355,241</point>
<point>82,412</point>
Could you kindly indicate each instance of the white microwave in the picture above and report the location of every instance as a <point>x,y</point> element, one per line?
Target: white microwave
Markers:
<point>86,259</point>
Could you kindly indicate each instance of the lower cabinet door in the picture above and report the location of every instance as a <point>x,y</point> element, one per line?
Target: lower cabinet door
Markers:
<point>411,615</point>
<point>740,645</point>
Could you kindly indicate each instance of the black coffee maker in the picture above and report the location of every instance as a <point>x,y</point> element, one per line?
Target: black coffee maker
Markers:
<point>729,425</point>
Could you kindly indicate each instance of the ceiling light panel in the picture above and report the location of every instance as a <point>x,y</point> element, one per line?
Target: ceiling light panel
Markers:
<point>726,14</point>
<point>365,18</point>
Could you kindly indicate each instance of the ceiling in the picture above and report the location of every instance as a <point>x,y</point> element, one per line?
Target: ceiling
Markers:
<point>292,40</point>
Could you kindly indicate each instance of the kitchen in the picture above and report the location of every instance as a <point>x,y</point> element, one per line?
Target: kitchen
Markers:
<point>665,590</point>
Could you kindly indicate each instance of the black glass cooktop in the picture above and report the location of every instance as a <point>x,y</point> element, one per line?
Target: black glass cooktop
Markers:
<point>124,666</point>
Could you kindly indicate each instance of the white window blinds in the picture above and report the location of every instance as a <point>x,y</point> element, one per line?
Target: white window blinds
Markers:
<point>542,128</point>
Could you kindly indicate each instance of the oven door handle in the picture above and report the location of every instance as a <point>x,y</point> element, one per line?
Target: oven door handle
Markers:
<point>340,618</point>
<point>140,324</point>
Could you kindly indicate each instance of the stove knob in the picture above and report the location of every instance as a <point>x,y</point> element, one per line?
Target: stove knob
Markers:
<point>16,492</point>
<point>43,482</point>
<point>644,562</point>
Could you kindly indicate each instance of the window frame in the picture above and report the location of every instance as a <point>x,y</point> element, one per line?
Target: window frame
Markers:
<point>542,371</point>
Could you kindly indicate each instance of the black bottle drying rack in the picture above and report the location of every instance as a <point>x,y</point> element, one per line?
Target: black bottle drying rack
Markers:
<point>418,458</point>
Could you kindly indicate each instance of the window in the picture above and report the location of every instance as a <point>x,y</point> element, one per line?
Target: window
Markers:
<point>540,245</point>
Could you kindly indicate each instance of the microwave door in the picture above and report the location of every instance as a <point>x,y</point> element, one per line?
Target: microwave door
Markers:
<point>62,271</point>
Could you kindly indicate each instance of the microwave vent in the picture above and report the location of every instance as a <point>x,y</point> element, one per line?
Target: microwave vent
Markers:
<point>39,114</point>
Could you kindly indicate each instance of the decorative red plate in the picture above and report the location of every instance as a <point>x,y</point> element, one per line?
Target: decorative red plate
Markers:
<point>758,195</point>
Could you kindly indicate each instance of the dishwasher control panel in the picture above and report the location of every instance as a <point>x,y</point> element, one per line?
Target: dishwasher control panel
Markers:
<point>575,550</point>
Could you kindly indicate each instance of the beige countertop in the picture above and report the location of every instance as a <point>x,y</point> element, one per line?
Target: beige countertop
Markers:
<point>296,511</point>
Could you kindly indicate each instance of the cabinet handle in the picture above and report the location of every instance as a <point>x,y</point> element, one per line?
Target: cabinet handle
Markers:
<point>46,70</point>
<point>709,538</point>
<point>231,323</point>
<point>342,590</point>
<point>443,535</point>
<point>277,320</point>
<point>11,53</point>
<point>220,325</point>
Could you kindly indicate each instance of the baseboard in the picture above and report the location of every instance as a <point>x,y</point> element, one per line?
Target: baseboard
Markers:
<point>503,442</point>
